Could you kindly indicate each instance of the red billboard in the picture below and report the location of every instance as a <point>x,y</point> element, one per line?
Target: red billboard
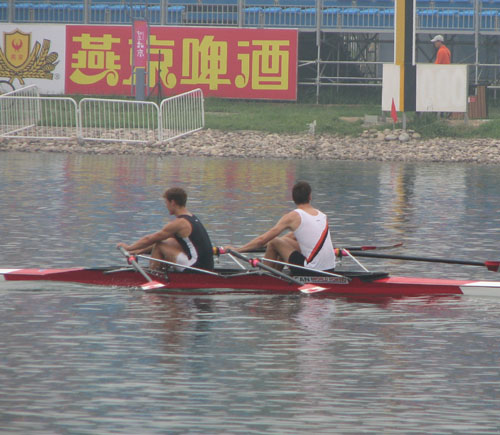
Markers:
<point>223,62</point>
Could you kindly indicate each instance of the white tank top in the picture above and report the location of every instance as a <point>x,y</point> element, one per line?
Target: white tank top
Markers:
<point>313,236</point>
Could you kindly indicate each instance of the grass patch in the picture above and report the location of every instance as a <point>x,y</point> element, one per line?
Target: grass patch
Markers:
<point>285,117</point>
<point>344,119</point>
<point>337,119</point>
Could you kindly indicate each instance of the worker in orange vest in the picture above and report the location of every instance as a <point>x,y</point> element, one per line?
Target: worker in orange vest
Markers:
<point>443,55</point>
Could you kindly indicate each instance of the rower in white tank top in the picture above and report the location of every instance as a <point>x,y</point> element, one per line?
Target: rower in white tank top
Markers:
<point>313,237</point>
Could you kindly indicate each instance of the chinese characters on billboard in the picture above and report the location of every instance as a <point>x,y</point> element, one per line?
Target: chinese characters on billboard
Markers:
<point>229,63</point>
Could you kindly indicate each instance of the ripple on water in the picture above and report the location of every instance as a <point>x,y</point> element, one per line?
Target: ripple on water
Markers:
<point>76,359</point>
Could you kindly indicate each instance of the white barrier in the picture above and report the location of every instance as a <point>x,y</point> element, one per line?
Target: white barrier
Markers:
<point>24,113</point>
<point>182,115</point>
<point>19,110</point>
<point>118,120</point>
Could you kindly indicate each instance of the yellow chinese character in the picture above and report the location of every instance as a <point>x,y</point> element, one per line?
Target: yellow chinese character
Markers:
<point>270,65</point>
<point>162,58</point>
<point>241,80</point>
<point>204,62</point>
<point>95,54</point>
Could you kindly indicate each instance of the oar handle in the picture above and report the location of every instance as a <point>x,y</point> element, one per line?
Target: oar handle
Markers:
<point>131,260</point>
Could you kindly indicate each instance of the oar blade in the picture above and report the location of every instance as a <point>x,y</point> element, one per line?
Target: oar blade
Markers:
<point>492,266</point>
<point>309,289</point>
<point>152,285</point>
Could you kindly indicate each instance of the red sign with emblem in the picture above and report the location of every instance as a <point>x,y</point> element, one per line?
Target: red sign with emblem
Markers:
<point>223,62</point>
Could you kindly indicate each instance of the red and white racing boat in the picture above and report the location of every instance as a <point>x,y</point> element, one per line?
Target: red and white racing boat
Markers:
<point>346,284</point>
<point>263,278</point>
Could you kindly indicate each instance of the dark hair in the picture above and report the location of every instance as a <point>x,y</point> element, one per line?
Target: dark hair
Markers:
<point>176,194</point>
<point>301,192</point>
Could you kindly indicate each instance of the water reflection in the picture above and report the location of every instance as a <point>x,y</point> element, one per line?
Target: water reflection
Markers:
<point>78,359</point>
<point>92,360</point>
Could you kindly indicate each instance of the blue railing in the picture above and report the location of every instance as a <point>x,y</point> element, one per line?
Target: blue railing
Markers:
<point>378,15</point>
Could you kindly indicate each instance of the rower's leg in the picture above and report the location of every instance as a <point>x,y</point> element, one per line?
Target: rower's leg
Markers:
<point>166,250</point>
<point>280,249</point>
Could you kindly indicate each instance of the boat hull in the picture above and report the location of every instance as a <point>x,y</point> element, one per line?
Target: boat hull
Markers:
<point>352,284</point>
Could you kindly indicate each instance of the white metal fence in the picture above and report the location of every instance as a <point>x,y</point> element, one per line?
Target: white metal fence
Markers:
<point>19,110</point>
<point>182,115</point>
<point>24,113</point>
<point>118,120</point>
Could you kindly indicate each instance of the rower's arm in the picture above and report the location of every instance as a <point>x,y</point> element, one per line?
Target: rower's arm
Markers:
<point>288,221</point>
<point>145,243</point>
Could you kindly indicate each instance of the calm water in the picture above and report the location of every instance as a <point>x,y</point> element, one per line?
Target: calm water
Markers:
<point>75,359</point>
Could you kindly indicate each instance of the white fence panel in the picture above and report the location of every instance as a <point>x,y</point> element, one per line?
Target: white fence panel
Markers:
<point>24,113</point>
<point>182,115</point>
<point>118,120</point>
<point>39,117</point>
<point>19,110</point>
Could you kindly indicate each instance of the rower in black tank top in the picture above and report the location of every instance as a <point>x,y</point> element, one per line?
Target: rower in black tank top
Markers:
<point>197,244</point>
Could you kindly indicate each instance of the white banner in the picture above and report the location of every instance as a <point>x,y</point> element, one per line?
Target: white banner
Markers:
<point>390,86</point>
<point>441,88</point>
<point>33,54</point>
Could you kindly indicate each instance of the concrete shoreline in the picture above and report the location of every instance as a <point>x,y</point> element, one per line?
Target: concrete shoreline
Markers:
<point>372,145</point>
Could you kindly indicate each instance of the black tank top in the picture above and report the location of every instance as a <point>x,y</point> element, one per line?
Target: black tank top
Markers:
<point>197,244</point>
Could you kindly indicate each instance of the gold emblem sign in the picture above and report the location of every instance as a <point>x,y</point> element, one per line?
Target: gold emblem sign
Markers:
<point>18,62</point>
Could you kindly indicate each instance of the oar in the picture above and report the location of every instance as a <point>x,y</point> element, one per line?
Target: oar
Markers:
<point>490,265</point>
<point>256,262</point>
<point>371,248</point>
<point>350,248</point>
<point>170,263</point>
<point>150,284</point>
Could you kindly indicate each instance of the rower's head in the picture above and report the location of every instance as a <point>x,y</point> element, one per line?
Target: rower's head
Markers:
<point>175,197</point>
<point>301,193</point>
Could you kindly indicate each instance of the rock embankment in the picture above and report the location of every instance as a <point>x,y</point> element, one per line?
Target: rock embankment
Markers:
<point>371,145</point>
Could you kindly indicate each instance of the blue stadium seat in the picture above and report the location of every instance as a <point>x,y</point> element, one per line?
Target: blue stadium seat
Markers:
<point>119,13</point>
<point>424,4</point>
<point>369,18</point>
<point>490,20</point>
<point>337,3</point>
<point>61,12</point>
<point>212,13</point>
<point>465,19</point>
<point>23,11</point>
<point>252,16</point>
<point>331,17</point>
<point>220,2</point>
<point>378,4</point>
<point>290,17</point>
<point>75,12</point>
<point>175,14</point>
<point>183,2</point>
<point>97,13</point>
<point>447,18</point>
<point>3,11</point>
<point>272,16</point>
<point>297,3</point>
<point>464,4</point>
<point>308,17</point>
<point>260,3</point>
<point>386,17</point>
<point>427,18</point>
<point>349,17</point>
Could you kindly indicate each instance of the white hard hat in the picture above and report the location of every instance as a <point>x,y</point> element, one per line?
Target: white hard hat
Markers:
<point>437,38</point>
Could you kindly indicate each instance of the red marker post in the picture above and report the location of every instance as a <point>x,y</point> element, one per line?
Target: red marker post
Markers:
<point>140,43</point>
